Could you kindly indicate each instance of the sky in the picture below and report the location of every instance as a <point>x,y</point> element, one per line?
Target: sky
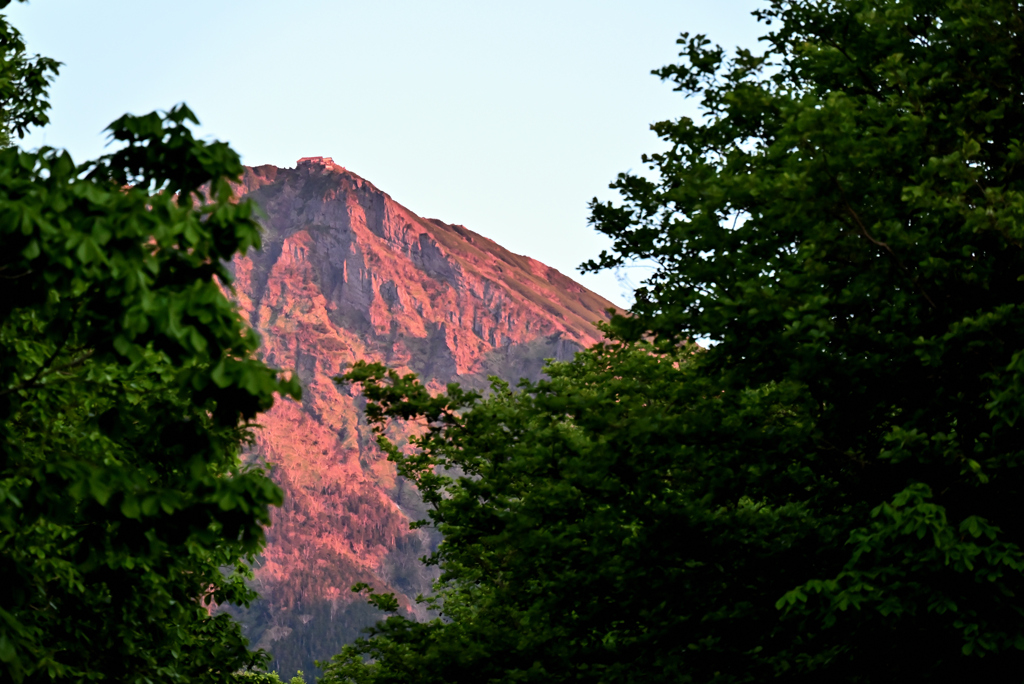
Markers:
<point>504,117</point>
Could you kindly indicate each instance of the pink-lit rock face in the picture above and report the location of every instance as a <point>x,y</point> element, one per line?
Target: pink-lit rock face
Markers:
<point>346,273</point>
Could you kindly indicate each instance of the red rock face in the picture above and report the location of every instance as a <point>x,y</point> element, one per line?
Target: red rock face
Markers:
<point>346,273</point>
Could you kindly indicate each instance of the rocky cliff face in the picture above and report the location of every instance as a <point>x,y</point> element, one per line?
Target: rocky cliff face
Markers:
<point>346,273</point>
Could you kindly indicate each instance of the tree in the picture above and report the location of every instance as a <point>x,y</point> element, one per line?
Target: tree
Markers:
<point>848,219</point>
<point>578,544</point>
<point>128,384</point>
<point>830,491</point>
<point>23,83</point>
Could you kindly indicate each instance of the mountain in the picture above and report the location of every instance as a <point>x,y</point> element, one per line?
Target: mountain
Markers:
<point>346,273</point>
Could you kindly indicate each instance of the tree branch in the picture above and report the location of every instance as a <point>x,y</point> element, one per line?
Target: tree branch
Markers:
<point>866,233</point>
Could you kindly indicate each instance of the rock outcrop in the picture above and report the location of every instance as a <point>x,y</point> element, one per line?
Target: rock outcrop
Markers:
<point>346,273</point>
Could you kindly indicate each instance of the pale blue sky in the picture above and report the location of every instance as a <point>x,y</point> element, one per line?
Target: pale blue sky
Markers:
<point>505,117</point>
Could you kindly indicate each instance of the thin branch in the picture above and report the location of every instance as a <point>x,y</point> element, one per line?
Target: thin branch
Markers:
<point>33,382</point>
<point>864,231</point>
<point>16,276</point>
<point>899,263</point>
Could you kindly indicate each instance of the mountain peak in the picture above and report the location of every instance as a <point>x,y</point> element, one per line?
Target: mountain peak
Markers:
<point>322,161</point>
<point>346,274</point>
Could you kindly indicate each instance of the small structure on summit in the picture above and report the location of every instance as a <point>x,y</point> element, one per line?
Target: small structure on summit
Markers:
<point>322,161</point>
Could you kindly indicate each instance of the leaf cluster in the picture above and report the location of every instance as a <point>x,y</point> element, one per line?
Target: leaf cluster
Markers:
<point>23,84</point>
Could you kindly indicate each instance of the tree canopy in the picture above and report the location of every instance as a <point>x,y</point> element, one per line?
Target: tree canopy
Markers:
<point>828,491</point>
<point>23,83</point>
<point>128,382</point>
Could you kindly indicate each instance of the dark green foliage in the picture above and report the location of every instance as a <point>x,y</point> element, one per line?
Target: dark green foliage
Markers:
<point>873,161</point>
<point>831,491</point>
<point>584,540</point>
<point>268,678</point>
<point>23,84</point>
<point>127,385</point>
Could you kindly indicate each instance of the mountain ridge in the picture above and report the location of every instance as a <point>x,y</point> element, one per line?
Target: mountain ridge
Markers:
<point>346,273</point>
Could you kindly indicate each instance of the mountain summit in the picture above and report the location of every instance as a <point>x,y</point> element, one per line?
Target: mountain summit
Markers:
<point>346,273</point>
